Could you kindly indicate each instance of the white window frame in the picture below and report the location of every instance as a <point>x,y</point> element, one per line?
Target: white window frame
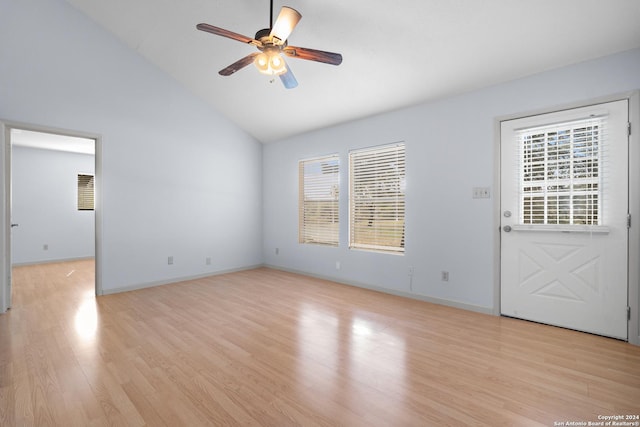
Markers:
<point>377,184</point>
<point>562,162</point>
<point>319,200</point>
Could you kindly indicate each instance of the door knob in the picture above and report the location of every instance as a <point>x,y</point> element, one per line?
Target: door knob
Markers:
<point>507,228</point>
<point>14,225</point>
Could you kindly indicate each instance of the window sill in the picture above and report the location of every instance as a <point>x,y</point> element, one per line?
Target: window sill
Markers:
<point>591,229</point>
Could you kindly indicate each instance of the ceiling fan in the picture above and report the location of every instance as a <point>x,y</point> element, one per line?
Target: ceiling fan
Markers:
<point>271,43</point>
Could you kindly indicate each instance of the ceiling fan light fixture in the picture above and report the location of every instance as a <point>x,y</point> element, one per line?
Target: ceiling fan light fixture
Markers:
<point>272,43</point>
<point>270,63</point>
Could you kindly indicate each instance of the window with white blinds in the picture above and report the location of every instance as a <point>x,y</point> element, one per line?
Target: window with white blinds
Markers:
<point>377,202</point>
<point>561,173</point>
<point>319,187</point>
<point>85,192</point>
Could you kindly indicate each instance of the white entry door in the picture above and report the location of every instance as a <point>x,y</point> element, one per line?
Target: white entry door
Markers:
<point>564,218</point>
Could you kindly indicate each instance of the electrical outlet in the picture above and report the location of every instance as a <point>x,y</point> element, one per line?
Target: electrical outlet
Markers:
<point>277,251</point>
<point>410,270</point>
<point>45,247</point>
<point>170,260</point>
<point>445,276</point>
<point>337,265</point>
<point>207,261</point>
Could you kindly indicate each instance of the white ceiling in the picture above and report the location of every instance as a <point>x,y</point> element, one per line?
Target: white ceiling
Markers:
<point>396,53</point>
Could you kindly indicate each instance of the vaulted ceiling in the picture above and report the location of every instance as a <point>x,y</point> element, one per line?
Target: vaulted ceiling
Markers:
<point>396,53</point>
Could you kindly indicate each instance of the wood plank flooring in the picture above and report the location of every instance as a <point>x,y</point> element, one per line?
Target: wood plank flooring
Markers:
<point>270,348</point>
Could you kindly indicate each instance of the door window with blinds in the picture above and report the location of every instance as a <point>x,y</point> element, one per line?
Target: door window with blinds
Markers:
<point>319,187</point>
<point>377,198</point>
<point>85,192</point>
<point>561,173</point>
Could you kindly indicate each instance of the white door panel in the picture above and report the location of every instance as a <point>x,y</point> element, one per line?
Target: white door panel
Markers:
<point>564,248</point>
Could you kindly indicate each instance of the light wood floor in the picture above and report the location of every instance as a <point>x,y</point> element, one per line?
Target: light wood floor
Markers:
<point>269,348</point>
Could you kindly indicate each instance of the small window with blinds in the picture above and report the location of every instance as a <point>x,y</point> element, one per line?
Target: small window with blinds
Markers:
<point>377,202</point>
<point>561,179</point>
<point>85,192</point>
<point>319,187</point>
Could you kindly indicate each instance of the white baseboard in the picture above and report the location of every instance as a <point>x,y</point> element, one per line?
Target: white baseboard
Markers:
<point>50,261</point>
<point>175,280</point>
<point>420,297</point>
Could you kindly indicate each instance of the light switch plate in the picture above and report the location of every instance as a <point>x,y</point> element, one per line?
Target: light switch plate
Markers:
<point>481,192</point>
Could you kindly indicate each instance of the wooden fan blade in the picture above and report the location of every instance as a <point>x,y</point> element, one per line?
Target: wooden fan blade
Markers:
<point>286,22</point>
<point>238,65</point>
<point>224,33</point>
<point>313,55</point>
<point>288,79</point>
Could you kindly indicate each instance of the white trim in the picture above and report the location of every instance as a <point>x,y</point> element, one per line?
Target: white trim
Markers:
<point>419,297</point>
<point>97,209</point>
<point>52,261</point>
<point>311,229</point>
<point>634,210</point>
<point>381,146</point>
<point>177,280</point>
<point>497,215</point>
<point>378,157</point>
<point>569,122</point>
<point>590,229</point>
<point>5,209</point>
<point>634,199</point>
<point>5,145</point>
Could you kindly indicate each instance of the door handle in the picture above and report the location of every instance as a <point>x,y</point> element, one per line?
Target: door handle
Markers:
<point>14,225</point>
<point>507,228</point>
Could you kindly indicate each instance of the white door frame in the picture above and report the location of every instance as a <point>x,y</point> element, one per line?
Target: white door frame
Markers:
<point>5,202</point>
<point>634,202</point>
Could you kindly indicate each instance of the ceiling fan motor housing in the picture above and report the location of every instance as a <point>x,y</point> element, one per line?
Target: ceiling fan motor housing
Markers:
<point>263,33</point>
<point>264,37</point>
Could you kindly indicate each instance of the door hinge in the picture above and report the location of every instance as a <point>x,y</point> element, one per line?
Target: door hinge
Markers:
<point>628,313</point>
<point>629,128</point>
<point>628,220</point>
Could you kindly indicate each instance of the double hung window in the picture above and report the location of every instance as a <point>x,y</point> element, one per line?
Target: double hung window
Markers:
<point>319,191</point>
<point>377,198</point>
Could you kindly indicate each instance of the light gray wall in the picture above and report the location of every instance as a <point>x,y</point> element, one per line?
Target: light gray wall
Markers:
<point>44,203</point>
<point>178,179</point>
<point>450,147</point>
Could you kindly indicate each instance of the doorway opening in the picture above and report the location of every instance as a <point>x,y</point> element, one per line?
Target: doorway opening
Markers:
<point>52,182</point>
